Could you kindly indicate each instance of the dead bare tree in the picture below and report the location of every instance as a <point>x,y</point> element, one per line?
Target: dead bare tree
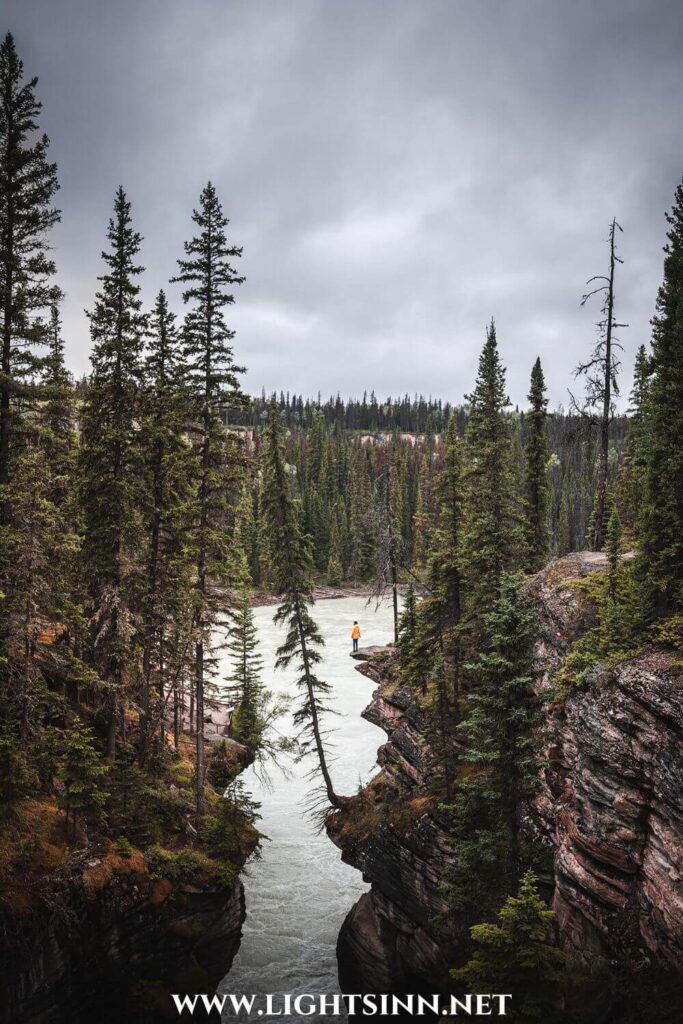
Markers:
<point>388,552</point>
<point>601,372</point>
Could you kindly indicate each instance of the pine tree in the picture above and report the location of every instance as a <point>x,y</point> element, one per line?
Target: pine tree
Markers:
<point>57,418</point>
<point>28,183</point>
<point>517,956</point>
<point>110,459</point>
<point>503,712</point>
<point>660,548</point>
<point>246,689</point>
<point>407,632</point>
<point>630,479</point>
<point>291,563</point>
<point>39,540</point>
<point>449,548</point>
<point>439,615</point>
<point>84,774</point>
<point>248,532</point>
<point>613,545</point>
<point>335,568</point>
<point>536,485</point>
<point>167,467</point>
<point>491,537</point>
<point>213,380</point>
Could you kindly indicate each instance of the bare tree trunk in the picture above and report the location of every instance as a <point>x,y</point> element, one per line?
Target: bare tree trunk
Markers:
<point>199,768</point>
<point>603,468</point>
<point>6,376</point>
<point>201,624</point>
<point>111,728</point>
<point>176,716</point>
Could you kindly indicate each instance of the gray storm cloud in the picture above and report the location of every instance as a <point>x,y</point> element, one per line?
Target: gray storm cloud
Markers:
<point>398,171</point>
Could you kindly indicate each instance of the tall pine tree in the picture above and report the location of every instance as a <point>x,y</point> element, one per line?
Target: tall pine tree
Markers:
<point>660,556</point>
<point>491,536</point>
<point>292,568</point>
<point>535,480</point>
<point>111,495</point>
<point>167,465</point>
<point>213,380</point>
<point>503,713</point>
<point>28,183</point>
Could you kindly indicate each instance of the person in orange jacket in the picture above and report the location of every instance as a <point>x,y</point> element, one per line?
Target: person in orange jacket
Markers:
<point>355,635</point>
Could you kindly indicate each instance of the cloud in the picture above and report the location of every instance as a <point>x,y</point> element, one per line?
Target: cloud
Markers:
<point>396,173</point>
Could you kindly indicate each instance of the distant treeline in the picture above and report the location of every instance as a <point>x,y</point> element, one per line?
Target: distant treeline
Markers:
<point>340,452</point>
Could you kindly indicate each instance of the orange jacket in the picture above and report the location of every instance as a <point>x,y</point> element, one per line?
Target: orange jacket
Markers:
<point>355,633</point>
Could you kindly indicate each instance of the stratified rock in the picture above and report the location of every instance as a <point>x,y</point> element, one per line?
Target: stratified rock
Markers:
<point>612,803</point>
<point>398,937</point>
<point>609,803</point>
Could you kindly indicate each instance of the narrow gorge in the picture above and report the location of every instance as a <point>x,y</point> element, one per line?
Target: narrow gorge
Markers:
<point>608,807</point>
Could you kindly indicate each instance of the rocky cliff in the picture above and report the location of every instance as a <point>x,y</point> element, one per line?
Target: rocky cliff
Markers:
<point>115,953</point>
<point>609,804</point>
<point>397,937</point>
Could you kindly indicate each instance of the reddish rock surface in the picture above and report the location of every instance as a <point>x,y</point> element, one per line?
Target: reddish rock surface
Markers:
<point>610,803</point>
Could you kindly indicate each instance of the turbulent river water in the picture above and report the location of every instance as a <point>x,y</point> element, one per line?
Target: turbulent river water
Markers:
<point>299,892</point>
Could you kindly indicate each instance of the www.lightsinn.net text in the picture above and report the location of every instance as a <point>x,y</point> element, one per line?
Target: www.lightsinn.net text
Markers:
<point>309,1004</point>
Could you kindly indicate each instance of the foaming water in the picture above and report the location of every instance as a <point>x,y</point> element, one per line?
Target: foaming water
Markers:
<point>299,892</point>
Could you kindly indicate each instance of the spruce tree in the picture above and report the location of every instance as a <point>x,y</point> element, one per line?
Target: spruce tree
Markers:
<point>449,549</point>
<point>491,538</point>
<point>246,688</point>
<point>630,479</point>
<point>535,481</point>
<point>291,566</point>
<point>167,466</point>
<point>438,617</point>
<point>110,468</point>
<point>517,956</point>
<point>503,713</point>
<point>38,542</point>
<point>57,418</point>
<point>213,381</point>
<point>613,545</point>
<point>407,632</point>
<point>28,183</point>
<point>660,547</point>
<point>84,775</point>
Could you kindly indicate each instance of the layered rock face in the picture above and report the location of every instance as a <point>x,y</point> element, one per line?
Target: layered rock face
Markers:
<point>610,803</point>
<point>398,936</point>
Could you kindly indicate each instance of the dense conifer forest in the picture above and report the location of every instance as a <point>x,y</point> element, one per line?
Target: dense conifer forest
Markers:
<point>142,508</point>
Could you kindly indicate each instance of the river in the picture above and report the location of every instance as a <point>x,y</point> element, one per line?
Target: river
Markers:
<point>299,892</point>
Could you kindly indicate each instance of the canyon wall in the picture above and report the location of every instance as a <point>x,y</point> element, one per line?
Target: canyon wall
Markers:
<point>609,805</point>
<point>116,953</point>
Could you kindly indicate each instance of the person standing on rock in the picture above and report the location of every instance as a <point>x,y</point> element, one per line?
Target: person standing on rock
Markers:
<point>355,636</point>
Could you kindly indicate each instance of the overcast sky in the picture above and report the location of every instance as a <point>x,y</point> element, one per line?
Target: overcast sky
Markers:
<point>397,171</point>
